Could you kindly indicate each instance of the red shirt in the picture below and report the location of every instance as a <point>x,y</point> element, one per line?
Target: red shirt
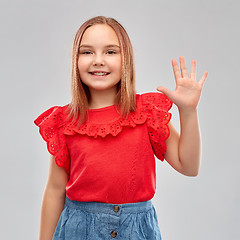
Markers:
<point>108,158</point>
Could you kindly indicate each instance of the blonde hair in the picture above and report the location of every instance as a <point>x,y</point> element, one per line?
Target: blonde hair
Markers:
<point>126,93</point>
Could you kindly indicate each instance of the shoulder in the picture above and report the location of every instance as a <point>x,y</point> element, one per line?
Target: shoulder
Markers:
<point>55,114</point>
<point>154,100</point>
<point>154,107</point>
<point>50,123</point>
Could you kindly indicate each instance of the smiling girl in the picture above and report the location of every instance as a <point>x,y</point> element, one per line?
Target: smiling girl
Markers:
<point>102,144</point>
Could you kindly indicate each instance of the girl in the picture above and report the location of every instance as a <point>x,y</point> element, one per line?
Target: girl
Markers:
<point>102,167</point>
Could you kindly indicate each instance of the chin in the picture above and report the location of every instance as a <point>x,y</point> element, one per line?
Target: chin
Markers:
<point>102,88</point>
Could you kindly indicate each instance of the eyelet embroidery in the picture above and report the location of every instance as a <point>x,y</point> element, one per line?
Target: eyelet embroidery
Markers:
<point>158,105</point>
<point>50,123</point>
<point>153,111</point>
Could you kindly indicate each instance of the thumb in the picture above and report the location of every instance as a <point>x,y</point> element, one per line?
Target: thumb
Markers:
<point>166,91</point>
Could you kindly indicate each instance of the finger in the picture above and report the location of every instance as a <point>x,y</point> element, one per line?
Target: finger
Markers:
<point>183,67</point>
<point>176,70</point>
<point>193,70</point>
<point>165,91</point>
<point>203,79</point>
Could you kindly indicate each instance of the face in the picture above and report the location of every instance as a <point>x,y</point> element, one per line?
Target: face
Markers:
<point>99,61</point>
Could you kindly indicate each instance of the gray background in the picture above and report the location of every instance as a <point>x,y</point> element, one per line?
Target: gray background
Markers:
<point>35,52</point>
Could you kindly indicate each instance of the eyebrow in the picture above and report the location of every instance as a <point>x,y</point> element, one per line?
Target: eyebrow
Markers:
<point>108,46</point>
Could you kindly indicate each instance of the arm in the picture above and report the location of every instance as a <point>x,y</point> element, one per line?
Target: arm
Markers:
<point>184,150</point>
<point>53,200</point>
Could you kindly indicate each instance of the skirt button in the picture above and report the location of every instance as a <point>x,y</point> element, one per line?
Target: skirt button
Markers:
<point>116,208</point>
<point>113,233</point>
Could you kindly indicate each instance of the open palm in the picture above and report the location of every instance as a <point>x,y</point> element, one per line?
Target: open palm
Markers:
<point>188,90</point>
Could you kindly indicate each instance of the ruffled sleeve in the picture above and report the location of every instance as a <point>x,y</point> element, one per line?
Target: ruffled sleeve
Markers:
<point>51,124</point>
<point>157,106</point>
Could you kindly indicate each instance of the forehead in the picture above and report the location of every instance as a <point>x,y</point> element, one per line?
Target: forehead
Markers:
<point>99,34</point>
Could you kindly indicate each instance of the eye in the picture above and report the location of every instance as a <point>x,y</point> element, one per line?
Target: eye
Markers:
<point>86,52</point>
<point>111,52</point>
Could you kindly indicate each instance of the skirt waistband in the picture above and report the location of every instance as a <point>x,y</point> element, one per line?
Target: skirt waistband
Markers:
<point>100,207</point>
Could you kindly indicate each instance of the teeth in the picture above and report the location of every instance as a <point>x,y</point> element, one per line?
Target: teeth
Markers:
<point>99,73</point>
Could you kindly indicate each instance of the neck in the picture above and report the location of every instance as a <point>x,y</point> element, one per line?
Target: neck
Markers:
<point>102,98</point>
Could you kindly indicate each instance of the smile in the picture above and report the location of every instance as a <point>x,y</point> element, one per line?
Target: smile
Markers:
<point>99,73</point>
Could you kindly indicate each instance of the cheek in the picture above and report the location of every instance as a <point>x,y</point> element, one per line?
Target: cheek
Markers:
<point>82,66</point>
<point>118,64</point>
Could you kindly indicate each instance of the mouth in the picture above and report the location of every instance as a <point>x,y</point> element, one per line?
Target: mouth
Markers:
<point>99,73</point>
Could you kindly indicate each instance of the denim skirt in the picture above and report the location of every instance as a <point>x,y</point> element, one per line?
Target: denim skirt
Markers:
<point>105,221</point>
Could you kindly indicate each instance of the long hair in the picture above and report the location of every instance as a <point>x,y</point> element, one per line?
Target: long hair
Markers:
<point>126,92</point>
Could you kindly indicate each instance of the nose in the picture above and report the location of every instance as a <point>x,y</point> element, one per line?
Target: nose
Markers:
<point>98,60</point>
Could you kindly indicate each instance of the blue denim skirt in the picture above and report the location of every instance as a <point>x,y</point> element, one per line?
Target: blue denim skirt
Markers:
<point>105,221</point>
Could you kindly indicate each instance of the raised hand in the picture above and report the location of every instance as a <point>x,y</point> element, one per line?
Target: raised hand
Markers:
<point>188,91</point>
